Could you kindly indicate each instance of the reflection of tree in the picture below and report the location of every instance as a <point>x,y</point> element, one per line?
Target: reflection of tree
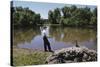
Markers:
<point>20,36</point>
<point>64,34</point>
<point>72,34</point>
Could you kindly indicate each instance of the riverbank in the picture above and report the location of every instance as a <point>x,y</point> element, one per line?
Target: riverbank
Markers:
<point>23,56</point>
<point>28,57</point>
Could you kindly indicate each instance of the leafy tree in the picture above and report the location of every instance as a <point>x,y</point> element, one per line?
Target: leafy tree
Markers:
<point>73,8</point>
<point>25,17</point>
<point>57,15</point>
<point>51,16</point>
<point>94,17</point>
<point>66,11</point>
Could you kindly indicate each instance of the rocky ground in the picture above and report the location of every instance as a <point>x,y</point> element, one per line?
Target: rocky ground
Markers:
<point>72,54</point>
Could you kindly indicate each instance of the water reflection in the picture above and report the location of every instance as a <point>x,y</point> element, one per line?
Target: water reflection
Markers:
<point>60,37</point>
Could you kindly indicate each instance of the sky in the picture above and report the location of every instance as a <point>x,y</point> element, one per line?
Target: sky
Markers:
<point>43,8</point>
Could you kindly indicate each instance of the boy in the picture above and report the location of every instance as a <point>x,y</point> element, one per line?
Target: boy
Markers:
<point>45,39</point>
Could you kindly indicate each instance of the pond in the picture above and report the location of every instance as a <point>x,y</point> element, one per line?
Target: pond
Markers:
<point>60,37</point>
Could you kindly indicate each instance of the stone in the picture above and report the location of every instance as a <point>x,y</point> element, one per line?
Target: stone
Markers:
<point>72,54</point>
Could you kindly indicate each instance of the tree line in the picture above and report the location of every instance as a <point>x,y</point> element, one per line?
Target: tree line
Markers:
<point>73,16</point>
<point>24,17</point>
<point>70,16</point>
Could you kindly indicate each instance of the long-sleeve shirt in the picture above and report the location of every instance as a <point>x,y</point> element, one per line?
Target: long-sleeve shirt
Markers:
<point>45,32</point>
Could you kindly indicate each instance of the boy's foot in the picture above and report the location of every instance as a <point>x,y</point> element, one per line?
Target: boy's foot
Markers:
<point>51,51</point>
<point>45,50</point>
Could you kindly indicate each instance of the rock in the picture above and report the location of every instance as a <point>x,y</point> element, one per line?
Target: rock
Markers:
<point>72,54</point>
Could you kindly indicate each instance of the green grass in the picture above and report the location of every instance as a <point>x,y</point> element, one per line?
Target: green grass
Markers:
<point>29,57</point>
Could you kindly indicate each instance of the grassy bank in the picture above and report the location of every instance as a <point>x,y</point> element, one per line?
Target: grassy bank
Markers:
<point>28,57</point>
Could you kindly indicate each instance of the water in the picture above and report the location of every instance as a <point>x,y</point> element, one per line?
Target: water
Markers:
<point>60,37</point>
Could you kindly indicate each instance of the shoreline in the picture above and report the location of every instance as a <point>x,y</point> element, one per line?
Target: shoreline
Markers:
<point>23,56</point>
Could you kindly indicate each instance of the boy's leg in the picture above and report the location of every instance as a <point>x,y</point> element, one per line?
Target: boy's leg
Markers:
<point>45,47</point>
<point>49,47</point>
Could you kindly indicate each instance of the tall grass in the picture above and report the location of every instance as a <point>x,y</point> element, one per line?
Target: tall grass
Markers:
<point>27,57</point>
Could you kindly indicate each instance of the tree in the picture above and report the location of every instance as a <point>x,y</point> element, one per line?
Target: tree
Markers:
<point>37,18</point>
<point>51,16</point>
<point>57,15</point>
<point>94,17</point>
<point>25,17</point>
<point>95,12</point>
<point>73,8</point>
<point>66,12</point>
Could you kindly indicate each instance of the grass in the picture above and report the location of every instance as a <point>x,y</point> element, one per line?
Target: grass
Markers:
<point>28,57</point>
